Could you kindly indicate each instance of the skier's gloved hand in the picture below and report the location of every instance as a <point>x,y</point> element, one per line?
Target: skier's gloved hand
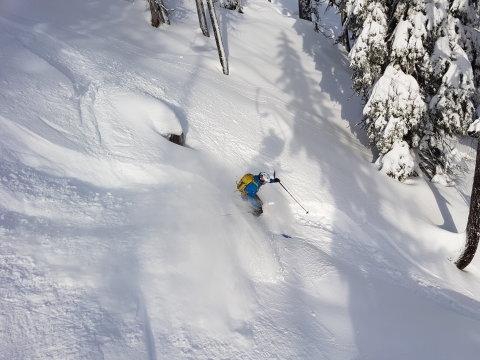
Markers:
<point>276,180</point>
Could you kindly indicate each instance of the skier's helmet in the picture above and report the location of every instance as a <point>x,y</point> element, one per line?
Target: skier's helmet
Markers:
<point>264,177</point>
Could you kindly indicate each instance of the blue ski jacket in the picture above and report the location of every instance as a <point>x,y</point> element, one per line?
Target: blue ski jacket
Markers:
<point>252,188</point>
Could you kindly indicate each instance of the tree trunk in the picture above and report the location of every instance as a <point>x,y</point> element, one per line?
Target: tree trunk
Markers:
<point>346,38</point>
<point>232,5</point>
<point>473,224</point>
<point>155,11</point>
<point>164,12</point>
<point>159,13</point>
<point>305,10</point>
<point>218,36</point>
<point>201,18</point>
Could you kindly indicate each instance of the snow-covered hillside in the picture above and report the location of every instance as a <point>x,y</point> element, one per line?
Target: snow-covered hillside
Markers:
<point>118,244</point>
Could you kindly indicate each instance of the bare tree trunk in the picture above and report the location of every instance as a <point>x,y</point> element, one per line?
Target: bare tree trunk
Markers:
<point>473,224</point>
<point>159,13</point>
<point>164,12</point>
<point>218,36</point>
<point>155,11</point>
<point>232,5</point>
<point>201,18</point>
<point>305,10</point>
<point>346,38</point>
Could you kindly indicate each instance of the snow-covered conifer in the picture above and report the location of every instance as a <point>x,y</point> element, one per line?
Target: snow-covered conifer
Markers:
<point>469,34</point>
<point>395,107</point>
<point>451,86</point>
<point>368,54</point>
<point>305,9</point>
<point>398,162</point>
<point>356,12</point>
<point>344,36</point>
<point>408,37</point>
<point>428,47</point>
<point>452,109</point>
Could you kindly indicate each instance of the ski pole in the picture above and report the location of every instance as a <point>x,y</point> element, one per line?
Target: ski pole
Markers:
<point>293,197</point>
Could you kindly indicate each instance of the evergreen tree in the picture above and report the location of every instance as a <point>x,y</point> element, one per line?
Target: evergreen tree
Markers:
<point>430,45</point>
<point>395,107</point>
<point>369,52</point>
<point>344,37</point>
<point>451,89</point>
<point>407,48</point>
<point>469,35</point>
<point>305,10</point>
<point>452,108</point>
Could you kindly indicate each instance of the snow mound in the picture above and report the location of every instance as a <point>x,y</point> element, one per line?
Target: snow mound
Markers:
<point>132,121</point>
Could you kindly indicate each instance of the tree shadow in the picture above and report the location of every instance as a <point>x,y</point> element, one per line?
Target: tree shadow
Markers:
<point>376,243</point>
<point>335,76</point>
<point>448,222</point>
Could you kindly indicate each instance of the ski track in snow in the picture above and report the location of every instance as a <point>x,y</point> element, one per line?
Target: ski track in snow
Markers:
<point>370,258</point>
<point>87,77</point>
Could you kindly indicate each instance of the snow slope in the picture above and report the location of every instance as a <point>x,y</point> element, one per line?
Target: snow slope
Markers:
<point>117,244</point>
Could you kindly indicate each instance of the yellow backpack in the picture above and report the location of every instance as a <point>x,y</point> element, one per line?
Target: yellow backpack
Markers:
<point>244,181</point>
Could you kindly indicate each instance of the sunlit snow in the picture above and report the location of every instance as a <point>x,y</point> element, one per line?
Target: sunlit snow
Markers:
<point>118,244</point>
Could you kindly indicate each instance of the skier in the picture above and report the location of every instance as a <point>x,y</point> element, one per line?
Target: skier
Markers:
<point>249,185</point>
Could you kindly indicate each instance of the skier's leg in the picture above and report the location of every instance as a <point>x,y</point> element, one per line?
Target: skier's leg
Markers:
<point>258,201</point>
<point>257,204</point>
<point>254,202</point>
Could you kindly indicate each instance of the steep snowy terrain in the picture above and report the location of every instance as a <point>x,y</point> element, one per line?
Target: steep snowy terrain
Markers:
<point>118,244</point>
